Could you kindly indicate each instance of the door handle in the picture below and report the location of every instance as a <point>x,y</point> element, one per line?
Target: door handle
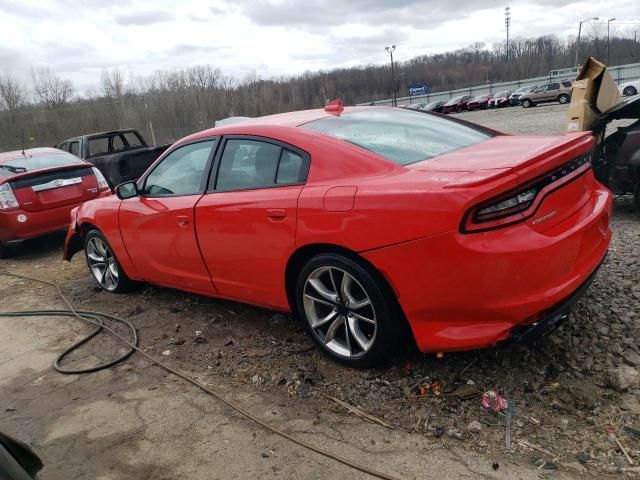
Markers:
<point>183,220</point>
<point>276,213</point>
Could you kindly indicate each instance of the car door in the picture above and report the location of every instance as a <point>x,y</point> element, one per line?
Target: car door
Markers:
<point>552,92</point>
<point>158,227</point>
<point>246,222</point>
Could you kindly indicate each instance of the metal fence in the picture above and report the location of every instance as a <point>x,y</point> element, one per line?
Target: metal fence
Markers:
<point>621,73</point>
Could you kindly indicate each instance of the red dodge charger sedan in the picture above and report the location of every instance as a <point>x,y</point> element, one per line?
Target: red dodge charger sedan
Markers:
<point>363,221</point>
<point>38,189</point>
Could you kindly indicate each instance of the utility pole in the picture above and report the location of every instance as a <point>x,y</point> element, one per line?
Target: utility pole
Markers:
<point>579,32</point>
<point>390,50</point>
<point>507,24</point>
<point>609,41</point>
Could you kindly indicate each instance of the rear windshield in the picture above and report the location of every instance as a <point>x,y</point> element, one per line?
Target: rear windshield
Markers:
<point>38,162</point>
<point>402,136</point>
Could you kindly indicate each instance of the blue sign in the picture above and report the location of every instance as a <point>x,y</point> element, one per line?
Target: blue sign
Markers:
<point>419,89</point>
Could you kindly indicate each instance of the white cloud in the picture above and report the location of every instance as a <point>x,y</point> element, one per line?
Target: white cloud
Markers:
<point>78,39</point>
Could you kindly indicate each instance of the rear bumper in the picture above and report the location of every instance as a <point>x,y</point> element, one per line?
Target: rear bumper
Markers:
<point>467,291</point>
<point>552,319</point>
<point>19,225</point>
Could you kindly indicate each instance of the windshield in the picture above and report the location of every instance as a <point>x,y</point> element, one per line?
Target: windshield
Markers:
<point>525,89</point>
<point>455,99</point>
<point>502,94</point>
<point>38,162</point>
<point>402,136</point>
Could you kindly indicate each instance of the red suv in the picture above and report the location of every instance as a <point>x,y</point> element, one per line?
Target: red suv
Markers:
<point>38,189</point>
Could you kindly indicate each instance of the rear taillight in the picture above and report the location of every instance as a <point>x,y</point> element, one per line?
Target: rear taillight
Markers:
<point>7,198</point>
<point>102,182</point>
<point>519,204</point>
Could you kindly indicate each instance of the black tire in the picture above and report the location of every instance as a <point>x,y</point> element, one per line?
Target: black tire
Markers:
<point>3,251</point>
<point>629,91</point>
<point>636,196</point>
<point>564,99</point>
<point>381,339</point>
<point>114,279</point>
<point>526,103</point>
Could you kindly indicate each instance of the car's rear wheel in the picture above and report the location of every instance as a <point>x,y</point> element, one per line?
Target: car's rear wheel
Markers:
<point>104,265</point>
<point>564,98</point>
<point>348,311</point>
<point>629,91</point>
<point>526,103</point>
<point>3,251</point>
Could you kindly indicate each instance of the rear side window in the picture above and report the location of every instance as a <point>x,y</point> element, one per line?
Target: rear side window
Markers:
<point>402,136</point>
<point>249,164</point>
<point>133,140</point>
<point>181,172</point>
<point>554,86</point>
<point>566,83</point>
<point>74,148</point>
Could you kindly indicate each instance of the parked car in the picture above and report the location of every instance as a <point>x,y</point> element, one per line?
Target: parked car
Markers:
<point>415,106</point>
<point>347,216</point>
<point>629,89</point>
<point>38,189</point>
<point>616,158</point>
<point>456,104</point>
<point>500,99</point>
<point>549,92</point>
<point>514,98</point>
<point>434,106</point>
<point>121,155</point>
<point>479,103</point>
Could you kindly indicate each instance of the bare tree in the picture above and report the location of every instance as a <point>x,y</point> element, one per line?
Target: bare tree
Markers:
<point>53,91</point>
<point>112,84</point>
<point>12,94</point>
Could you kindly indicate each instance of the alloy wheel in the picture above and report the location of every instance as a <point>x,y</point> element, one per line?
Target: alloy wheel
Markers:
<point>102,263</point>
<point>340,312</point>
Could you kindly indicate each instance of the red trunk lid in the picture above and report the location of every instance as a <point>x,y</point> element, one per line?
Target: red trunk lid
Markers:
<point>554,165</point>
<point>43,190</point>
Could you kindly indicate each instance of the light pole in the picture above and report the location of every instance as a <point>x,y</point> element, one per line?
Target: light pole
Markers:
<point>579,32</point>
<point>507,24</point>
<point>608,41</point>
<point>390,50</point>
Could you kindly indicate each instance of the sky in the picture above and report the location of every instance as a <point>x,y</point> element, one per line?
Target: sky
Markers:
<point>80,39</point>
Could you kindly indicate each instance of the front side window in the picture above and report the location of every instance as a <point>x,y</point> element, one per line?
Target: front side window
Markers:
<point>181,172</point>
<point>98,146</point>
<point>402,136</point>
<point>249,164</point>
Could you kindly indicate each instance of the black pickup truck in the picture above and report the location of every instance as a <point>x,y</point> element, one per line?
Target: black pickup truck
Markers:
<point>121,155</point>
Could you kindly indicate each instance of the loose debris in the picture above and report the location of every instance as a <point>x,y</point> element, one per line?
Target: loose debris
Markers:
<point>360,413</point>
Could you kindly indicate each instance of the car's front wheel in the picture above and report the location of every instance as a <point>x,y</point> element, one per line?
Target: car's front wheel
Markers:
<point>104,265</point>
<point>526,103</point>
<point>348,311</point>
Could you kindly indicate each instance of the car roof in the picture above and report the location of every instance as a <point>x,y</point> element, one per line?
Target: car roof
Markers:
<point>288,119</point>
<point>6,157</point>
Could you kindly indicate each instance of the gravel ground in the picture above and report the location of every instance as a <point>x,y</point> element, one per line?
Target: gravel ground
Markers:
<point>575,392</point>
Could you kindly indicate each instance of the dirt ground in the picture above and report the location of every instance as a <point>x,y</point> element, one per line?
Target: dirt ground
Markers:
<point>573,390</point>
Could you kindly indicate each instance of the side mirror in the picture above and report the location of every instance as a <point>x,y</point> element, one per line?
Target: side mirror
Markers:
<point>127,190</point>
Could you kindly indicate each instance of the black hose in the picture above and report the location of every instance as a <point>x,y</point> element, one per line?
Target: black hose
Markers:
<point>94,318</point>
